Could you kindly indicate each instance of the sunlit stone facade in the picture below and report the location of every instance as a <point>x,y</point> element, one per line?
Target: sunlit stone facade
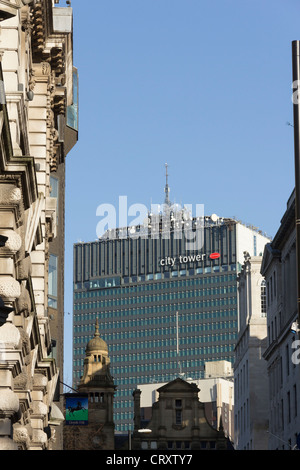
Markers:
<point>36,97</point>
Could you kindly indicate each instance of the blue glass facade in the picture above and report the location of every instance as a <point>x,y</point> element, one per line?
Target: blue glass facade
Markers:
<point>158,319</point>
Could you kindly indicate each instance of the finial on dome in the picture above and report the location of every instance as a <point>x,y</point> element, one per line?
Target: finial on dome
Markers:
<point>97,328</point>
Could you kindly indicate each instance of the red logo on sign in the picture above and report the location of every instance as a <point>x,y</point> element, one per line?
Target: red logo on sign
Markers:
<point>215,256</point>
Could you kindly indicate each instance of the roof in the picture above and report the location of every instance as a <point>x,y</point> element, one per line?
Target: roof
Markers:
<point>96,343</point>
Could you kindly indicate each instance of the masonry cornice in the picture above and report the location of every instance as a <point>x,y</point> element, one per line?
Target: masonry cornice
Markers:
<point>9,9</point>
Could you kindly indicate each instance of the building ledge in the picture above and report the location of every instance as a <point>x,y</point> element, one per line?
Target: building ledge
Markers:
<point>9,9</point>
<point>62,20</point>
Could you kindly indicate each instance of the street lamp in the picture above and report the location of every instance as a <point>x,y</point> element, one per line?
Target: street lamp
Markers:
<point>142,430</point>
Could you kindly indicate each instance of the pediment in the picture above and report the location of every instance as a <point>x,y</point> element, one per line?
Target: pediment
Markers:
<point>269,255</point>
<point>178,385</point>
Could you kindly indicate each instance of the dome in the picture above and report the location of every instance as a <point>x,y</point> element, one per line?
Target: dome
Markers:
<point>96,343</point>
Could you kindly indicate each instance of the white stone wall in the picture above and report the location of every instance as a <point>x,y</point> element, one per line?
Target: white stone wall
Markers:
<point>245,242</point>
<point>34,93</point>
<point>250,368</point>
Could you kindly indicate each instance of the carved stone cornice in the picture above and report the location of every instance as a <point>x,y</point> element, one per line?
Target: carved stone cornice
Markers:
<point>9,9</point>
<point>38,32</point>
<point>10,289</point>
<point>13,243</point>
<point>9,194</point>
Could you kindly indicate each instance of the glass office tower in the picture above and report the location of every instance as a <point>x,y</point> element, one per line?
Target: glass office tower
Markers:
<point>163,309</point>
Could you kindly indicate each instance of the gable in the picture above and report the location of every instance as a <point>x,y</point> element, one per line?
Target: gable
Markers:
<point>268,256</point>
<point>178,386</point>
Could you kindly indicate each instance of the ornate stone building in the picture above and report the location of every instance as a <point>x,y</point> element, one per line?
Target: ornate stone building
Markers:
<point>251,400</point>
<point>98,387</point>
<point>178,421</point>
<point>279,267</point>
<point>38,105</point>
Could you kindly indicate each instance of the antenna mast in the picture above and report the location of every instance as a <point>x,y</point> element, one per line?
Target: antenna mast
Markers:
<point>177,342</point>
<point>167,189</point>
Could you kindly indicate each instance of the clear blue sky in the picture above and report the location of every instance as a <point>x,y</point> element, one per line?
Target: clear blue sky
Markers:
<point>205,86</point>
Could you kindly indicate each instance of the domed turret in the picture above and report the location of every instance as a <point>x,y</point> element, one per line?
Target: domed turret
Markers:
<point>96,362</point>
<point>96,343</point>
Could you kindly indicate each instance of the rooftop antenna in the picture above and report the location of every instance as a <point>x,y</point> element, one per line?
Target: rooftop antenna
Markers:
<point>167,189</point>
<point>177,344</point>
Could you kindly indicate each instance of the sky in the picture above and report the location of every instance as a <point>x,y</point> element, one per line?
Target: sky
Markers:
<point>205,86</point>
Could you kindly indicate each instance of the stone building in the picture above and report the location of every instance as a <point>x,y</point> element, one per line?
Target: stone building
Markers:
<point>97,385</point>
<point>250,368</point>
<point>178,421</point>
<point>282,351</point>
<point>36,98</point>
<point>216,392</point>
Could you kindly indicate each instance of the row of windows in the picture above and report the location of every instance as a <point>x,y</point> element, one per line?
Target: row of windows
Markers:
<point>284,410</point>
<point>156,286</point>
<point>153,376</point>
<point>162,366</point>
<point>183,340</point>
<point>164,296</point>
<point>135,345</point>
<point>124,415</point>
<point>123,404</point>
<point>183,317</point>
<point>192,328</point>
<point>166,375</point>
<point>156,355</point>
<point>110,283</point>
<point>182,272</point>
<point>167,365</point>
<point>219,302</point>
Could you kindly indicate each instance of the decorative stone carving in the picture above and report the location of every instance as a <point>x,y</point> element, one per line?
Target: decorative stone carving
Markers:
<point>24,267</point>
<point>20,434</point>
<point>10,289</point>
<point>40,381</point>
<point>14,242</point>
<point>39,408</point>
<point>39,436</point>
<point>24,303</point>
<point>9,403</point>
<point>25,345</point>
<point>42,69</point>
<point>21,382</point>
<point>9,194</point>
<point>10,336</point>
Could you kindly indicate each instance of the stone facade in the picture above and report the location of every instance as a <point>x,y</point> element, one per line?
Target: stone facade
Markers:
<point>36,91</point>
<point>178,421</point>
<point>282,351</point>
<point>250,368</point>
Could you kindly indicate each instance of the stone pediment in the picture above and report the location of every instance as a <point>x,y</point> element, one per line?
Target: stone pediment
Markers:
<point>178,385</point>
<point>268,257</point>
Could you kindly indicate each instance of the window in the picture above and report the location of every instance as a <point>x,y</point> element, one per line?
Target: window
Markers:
<point>72,111</point>
<point>178,419</point>
<point>54,192</point>
<point>178,412</point>
<point>52,282</point>
<point>263,301</point>
<point>255,245</point>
